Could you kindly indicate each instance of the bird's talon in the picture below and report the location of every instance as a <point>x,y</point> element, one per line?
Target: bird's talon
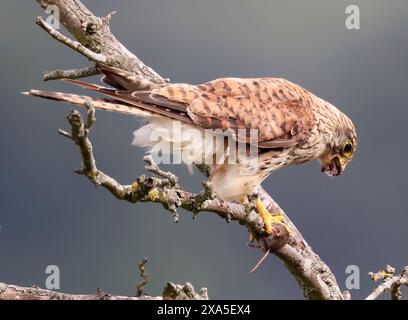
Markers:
<point>278,217</point>
<point>265,216</point>
<point>270,219</point>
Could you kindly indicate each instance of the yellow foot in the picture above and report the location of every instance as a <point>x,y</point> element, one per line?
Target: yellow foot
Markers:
<point>269,218</point>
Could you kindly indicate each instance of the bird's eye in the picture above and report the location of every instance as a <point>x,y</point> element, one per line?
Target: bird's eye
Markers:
<point>347,149</point>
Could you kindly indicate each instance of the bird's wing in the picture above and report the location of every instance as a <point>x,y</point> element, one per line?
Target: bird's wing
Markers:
<point>279,109</point>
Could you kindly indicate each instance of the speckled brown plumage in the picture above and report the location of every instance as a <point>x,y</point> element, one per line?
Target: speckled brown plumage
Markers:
<point>279,109</point>
<point>294,125</point>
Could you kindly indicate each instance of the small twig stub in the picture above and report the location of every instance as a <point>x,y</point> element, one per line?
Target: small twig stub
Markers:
<point>144,278</point>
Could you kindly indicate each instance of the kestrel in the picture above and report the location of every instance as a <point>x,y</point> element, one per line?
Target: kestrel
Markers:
<point>293,125</point>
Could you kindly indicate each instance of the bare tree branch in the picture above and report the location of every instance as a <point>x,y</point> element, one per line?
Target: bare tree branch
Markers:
<point>94,33</point>
<point>154,168</point>
<point>12,292</point>
<point>170,292</point>
<point>313,275</point>
<point>391,283</point>
<point>71,73</point>
<point>70,43</point>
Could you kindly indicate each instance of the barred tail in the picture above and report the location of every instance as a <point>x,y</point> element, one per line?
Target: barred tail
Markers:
<point>100,103</point>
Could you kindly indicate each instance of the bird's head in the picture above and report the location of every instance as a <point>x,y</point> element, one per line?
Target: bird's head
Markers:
<point>340,149</point>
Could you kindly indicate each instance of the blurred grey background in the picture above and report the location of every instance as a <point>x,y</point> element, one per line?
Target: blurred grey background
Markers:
<point>48,215</point>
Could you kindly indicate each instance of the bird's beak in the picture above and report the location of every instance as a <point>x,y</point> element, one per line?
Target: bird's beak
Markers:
<point>334,166</point>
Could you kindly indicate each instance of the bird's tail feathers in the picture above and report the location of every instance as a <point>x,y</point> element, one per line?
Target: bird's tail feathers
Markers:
<point>98,103</point>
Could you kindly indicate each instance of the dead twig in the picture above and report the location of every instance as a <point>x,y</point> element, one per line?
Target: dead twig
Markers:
<point>390,282</point>
<point>78,47</point>
<point>71,73</point>
<point>144,278</point>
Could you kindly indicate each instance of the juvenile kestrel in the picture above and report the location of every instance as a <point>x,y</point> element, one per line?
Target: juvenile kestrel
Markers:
<point>293,125</point>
